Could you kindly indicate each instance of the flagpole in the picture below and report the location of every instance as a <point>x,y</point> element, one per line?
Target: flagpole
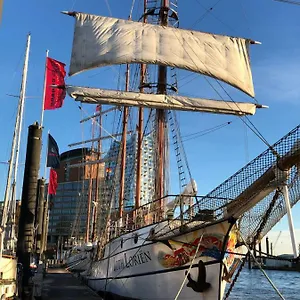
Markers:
<point>44,92</point>
<point>45,168</point>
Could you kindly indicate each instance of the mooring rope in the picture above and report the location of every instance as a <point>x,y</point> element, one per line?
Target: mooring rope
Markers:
<point>189,269</point>
<point>263,271</point>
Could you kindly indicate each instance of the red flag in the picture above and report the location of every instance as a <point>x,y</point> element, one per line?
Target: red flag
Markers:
<point>52,186</point>
<point>55,74</point>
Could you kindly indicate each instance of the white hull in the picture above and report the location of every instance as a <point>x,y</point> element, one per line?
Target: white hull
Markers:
<point>156,270</point>
<point>78,262</point>
<point>8,269</point>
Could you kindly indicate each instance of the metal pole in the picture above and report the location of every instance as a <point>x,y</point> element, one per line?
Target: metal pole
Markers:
<point>19,133</point>
<point>89,203</point>
<point>44,92</point>
<point>40,214</point>
<point>96,205</point>
<point>272,249</point>
<point>259,251</point>
<point>290,219</point>
<point>249,261</point>
<point>15,145</point>
<point>267,246</point>
<point>61,248</point>
<point>45,225</point>
<point>45,167</point>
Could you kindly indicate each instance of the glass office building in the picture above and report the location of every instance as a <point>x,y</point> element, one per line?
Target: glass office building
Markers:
<point>112,163</point>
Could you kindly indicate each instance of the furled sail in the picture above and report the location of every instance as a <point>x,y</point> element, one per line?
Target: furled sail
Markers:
<point>171,102</point>
<point>100,41</point>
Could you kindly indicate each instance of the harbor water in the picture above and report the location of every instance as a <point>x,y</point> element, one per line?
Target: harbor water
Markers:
<point>252,284</point>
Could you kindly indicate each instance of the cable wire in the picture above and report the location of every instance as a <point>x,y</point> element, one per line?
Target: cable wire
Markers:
<point>190,267</point>
<point>263,271</point>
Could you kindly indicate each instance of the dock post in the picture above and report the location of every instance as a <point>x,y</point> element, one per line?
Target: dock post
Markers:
<point>28,206</point>
<point>259,251</point>
<point>249,261</point>
<point>40,217</point>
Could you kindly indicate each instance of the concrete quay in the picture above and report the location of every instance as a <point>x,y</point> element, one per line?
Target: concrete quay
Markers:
<point>61,284</point>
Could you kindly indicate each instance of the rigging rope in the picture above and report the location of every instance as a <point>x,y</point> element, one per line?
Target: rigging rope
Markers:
<point>190,267</point>
<point>263,271</point>
<point>131,10</point>
<point>74,2</point>
<point>185,77</point>
<point>86,114</point>
<point>205,132</point>
<point>247,159</point>
<point>76,224</point>
<point>108,7</point>
<point>236,277</point>
<point>253,128</point>
<point>209,11</point>
<point>245,16</point>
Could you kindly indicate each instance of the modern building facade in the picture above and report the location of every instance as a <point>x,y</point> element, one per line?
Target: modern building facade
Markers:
<point>112,163</point>
<point>77,177</point>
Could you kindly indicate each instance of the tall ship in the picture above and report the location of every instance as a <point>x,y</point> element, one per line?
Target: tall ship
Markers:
<point>150,243</point>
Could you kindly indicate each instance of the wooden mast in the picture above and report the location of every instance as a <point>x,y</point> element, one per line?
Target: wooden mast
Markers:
<point>96,203</point>
<point>123,151</point>
<point>90,191</point>
<point>160,115</point>
<point>140,129</point>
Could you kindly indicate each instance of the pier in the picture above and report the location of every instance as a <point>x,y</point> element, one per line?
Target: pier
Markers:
<point>61,284</point>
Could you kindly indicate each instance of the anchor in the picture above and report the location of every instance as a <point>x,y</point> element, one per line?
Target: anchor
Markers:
<point>200,285</point>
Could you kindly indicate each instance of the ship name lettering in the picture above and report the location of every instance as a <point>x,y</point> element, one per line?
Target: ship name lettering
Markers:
<point>132,261</point>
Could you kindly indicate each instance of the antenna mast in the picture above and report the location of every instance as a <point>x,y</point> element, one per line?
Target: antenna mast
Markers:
<point>123,152</point>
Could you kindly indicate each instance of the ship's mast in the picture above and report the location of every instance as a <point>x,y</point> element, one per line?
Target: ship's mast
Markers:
<point>96,203</point>
<point>90,190</point>
<point>140,128</point>
<point>123,151</point>
<point>160,114</point>
<point>14,156</point>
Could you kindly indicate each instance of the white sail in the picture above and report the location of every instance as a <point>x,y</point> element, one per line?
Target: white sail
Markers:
<point>100,41</point>
<point>171,102</point>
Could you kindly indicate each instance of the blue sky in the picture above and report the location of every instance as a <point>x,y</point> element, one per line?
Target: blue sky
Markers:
<point>213,157</point>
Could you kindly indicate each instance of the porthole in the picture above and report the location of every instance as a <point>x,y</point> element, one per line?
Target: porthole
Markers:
<point>151,233</point>
<point>135,238</point>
